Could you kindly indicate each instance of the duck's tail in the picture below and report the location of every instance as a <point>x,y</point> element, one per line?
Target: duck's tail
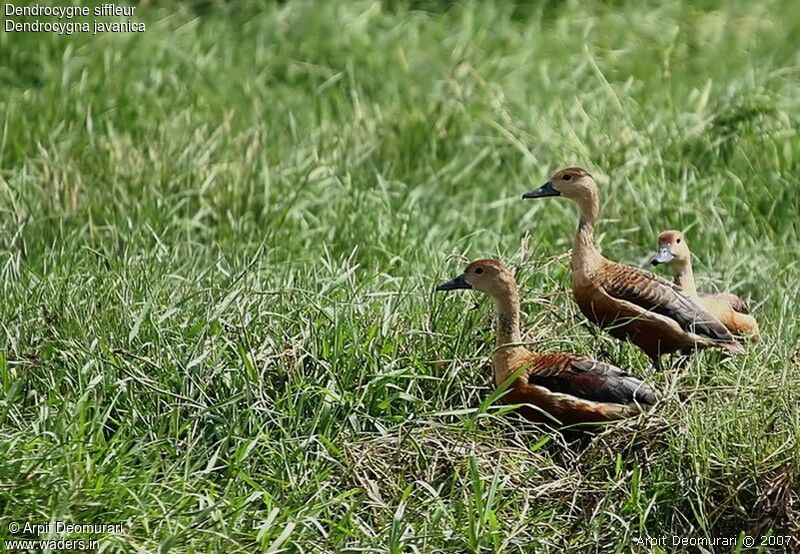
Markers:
<point>734,347</point>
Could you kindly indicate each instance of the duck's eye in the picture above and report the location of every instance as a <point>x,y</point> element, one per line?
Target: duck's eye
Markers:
<point>679,241</point>
<point>478,270</point>
<point>567,177</point>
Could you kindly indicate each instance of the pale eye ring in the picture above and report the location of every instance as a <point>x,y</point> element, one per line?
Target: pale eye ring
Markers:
<point>478,270</point>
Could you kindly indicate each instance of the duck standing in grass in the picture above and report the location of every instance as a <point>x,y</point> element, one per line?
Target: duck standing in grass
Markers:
<point>631,304</point>
<point>570,388</point>
<point>731,310</point>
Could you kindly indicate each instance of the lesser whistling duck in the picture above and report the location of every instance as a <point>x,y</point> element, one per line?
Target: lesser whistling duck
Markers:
<point>630,303</point>
<point>731,310</point>
<point>570,388</point>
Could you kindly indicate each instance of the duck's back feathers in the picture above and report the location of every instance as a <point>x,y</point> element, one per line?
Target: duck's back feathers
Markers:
<point>657,295</point>
<point>572,389</point>
<point>587,379</point>
<point>618,386</point>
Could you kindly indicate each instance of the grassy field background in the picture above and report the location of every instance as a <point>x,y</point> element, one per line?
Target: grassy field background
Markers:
<point>219,241</point>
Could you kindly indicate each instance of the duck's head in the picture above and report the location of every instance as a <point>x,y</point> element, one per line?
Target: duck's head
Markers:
<point>488,276</point>
<point>574,183</point>
<point>672,249</point>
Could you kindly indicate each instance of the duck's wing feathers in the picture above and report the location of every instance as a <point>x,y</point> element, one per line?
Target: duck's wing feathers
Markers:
<point>736,303</point>
<point>587,379</point>
<point>654,294</point>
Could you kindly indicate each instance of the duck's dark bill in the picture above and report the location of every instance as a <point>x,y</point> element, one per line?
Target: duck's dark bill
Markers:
<point>457,283</point>
<point>663,256</point>
<point>544,191</point>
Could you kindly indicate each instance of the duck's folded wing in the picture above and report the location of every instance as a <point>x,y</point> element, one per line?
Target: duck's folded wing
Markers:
<point>587,379</point>
<point>654,294</point>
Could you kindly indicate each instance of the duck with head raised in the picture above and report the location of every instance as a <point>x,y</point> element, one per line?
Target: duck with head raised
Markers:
<point>732,311</point>
<point>630,303</point>
<point>560,386</point>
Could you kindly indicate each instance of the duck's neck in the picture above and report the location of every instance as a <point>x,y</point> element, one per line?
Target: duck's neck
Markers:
<point>508,334</point>
<point>507,312</point>
<point>583,248</point>
<point>684,278</point>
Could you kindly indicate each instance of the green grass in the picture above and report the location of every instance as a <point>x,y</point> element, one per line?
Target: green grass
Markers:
<point>219,241</point>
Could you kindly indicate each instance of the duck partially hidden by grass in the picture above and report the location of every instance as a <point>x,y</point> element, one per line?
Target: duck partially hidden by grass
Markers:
<point>560,386</point>
<point>732,311</point>
<point>631,304</point>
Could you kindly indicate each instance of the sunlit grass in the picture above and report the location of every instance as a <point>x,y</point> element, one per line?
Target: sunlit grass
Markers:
<point>219,241</point>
